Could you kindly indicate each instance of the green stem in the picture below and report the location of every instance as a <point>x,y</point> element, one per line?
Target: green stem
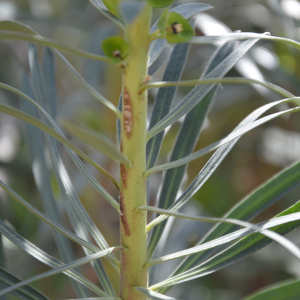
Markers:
<point>133,145</point>
<point>234,80</point>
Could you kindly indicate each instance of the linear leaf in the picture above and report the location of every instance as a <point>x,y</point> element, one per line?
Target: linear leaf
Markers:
<point>74,157</point>
<point>22,28</point>
<point>164,99</point>
<point>41,175</point>
<point>187,10</point>
<point>35,122</point>
<point>47,220</point>
<point>99,5</point>
<point>37,39</point>
<point>195,96</point>
<point>50,104</point>
<point>161,59</point>
<point>238,251</point>
<point>281,240</point>
<point>153,295</point>
<point>64,182</point>
<point>25,293</point>
<point>254,203</point>
<point>284,290</point>
<point>243,36</point>
<point>94,139</point>
<point>217,158</point>
<point>236,80</point>
<point>185,144</point>
<point>236,133</point>
<point>88,87</point>
<point>46,258</point>
<point>61,269</point>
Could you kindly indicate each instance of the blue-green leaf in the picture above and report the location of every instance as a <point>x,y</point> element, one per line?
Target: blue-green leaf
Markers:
<point>238,251</point>
<point>164,99</point>
<point>195,96</point>
<point>25,293</point>
<point>61,269</point>
<point>185,144</point>
<point>46,258</point>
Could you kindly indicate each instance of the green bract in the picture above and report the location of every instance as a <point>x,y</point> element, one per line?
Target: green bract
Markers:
<point>160,3</point>
<point>175,28</point>
<point>115,48</point>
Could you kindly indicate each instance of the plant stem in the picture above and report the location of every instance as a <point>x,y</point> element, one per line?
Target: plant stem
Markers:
<point>133,145</point>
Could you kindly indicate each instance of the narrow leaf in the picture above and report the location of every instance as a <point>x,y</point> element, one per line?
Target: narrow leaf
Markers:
<point>254,203</point>
<point>216,159</point>
<point>48,220</point>
<point>46,258</point>
<point>164,99</point>
<point>161,59</point>
<point>94,139</point>
<point>195,96</point>
<point>35,122</point>
<point>61,173</point>
<point>285,290</point>
<point>281,240</point>
<point>236,133</point>
<point>153,295</point>
<point>185,144</point>
<point>186,10</point>
<point>61,269</point>
<point>74,157</point>
<point>238,251</point>
<point>34,139</point>
<point>25,293</point>
<point>37,39</point>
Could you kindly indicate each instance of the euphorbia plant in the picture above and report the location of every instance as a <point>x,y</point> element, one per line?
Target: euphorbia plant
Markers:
<point>139,52</point>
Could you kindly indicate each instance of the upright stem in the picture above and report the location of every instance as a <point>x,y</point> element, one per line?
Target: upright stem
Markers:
<point>133,137</point>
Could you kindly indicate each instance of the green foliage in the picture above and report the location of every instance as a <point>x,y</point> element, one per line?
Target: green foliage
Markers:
<point>73,216</point>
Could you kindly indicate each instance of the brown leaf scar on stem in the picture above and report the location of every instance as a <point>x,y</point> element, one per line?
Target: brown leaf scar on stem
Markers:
<point>127,113</point>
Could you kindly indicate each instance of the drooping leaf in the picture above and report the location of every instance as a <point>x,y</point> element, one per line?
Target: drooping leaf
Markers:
<point>236,252</point>
<point>186,10</point>
<point>41,175</point>
<point>25,293</point>
<point>184,145</point>
<point>254,203</point>
<point>195,96</point>
<point>256,227</point>
<point>61,269</point>
<point>46,258</point>
<point>63,179</point>
<point>236,133</point>
<point>215,160</point>
<point>94,139</point>
<point>74,157</point>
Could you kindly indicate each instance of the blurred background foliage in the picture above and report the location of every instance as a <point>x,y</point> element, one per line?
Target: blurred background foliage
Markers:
<point>257,156</point>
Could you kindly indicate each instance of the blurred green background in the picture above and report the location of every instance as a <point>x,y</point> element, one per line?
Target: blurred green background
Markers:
<point>256,157</point>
